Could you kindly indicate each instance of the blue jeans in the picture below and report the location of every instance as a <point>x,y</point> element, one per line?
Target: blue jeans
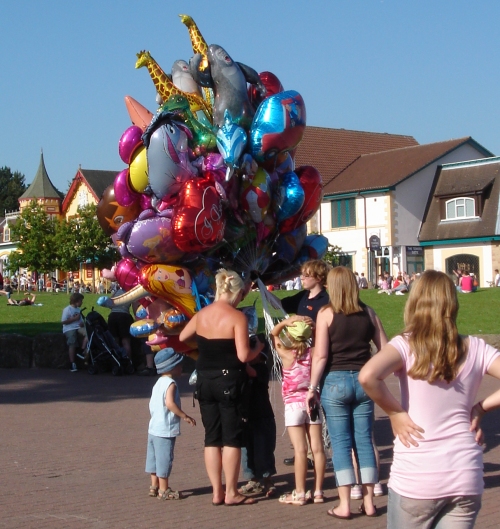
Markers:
<point>349,416</point>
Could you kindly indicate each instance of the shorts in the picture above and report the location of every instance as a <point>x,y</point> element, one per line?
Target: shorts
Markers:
<point>160,455</point>
<point>72,337</point>
<point>221,404</point>
<point>119,324</point>
<point>296,415</point>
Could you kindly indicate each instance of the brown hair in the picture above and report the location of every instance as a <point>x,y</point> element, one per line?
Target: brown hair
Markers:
<point>343,291</point>
<point>431,325</point>
<point>75,298</point>
<point>317,269</point>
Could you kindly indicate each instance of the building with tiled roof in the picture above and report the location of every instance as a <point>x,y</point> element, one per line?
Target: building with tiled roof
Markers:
<point>461,224</point>
<point>373,208</point>
<point>332,150</point>
<point>87,187</point>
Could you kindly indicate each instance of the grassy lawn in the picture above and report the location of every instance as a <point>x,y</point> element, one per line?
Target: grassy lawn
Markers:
<point>479,312</point>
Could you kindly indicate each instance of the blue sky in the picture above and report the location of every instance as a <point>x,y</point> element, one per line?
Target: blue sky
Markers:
<point>429,69</point>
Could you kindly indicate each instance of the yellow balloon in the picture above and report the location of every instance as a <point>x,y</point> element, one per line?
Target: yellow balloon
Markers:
<point>138,172</point>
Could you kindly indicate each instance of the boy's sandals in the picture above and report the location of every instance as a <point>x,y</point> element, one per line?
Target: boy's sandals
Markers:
<point>168,494</point>
<point>153,491</point>
<point>318,497</point>
<point>252,487</point>
<point>293,498</point>
<point>271,491</point>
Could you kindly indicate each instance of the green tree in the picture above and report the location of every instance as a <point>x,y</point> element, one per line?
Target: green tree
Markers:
<point>37,249</point>
<point>68,257</point>
<point>92,244</point>
<point>12,186</point>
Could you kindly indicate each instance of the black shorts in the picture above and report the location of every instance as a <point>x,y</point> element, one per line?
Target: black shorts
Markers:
<point>220,394</point>
<point>119,324</point>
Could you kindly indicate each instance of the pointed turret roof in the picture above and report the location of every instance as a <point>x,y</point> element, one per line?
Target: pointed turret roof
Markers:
<point>41,187</point>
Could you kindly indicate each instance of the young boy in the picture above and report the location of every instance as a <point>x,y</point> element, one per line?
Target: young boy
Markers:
<point>73,327</point>
<point>164,425</point>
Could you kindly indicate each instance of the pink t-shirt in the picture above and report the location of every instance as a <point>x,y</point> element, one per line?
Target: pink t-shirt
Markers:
<point>447,462</point>
<point>296,380</point>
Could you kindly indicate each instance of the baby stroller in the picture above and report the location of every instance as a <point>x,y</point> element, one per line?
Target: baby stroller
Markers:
<point>102,352</point>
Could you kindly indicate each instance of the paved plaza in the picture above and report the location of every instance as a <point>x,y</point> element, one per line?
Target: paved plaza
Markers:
<point>73,452</point>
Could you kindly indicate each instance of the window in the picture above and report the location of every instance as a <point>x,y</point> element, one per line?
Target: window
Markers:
<point>460,208</point>
<point>343,213</point>
<point>6,235</point>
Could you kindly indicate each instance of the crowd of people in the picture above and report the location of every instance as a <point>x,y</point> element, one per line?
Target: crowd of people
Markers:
<point>335,357</point>
<point>330,372</point>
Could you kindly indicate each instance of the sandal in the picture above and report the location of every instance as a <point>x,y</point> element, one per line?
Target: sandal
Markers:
<point>271,491</point>
<point>293,498</point>
<point>153,491</point>
<point>317,498</point>
<point>252,487</point>
<point>169,494</point>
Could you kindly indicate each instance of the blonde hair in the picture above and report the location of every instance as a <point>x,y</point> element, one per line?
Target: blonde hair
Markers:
<point>228,282</point>
<point>299,346</point>
<point>343,291</point>
<point>431,326</point>
<point>317,269</point>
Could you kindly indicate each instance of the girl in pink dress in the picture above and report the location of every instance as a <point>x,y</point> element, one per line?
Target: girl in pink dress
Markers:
<point>290,339</point>
<point>436,478</point>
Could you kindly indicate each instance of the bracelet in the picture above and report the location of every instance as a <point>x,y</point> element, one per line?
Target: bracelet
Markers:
<point>313,388</point>
<point>481,406</point>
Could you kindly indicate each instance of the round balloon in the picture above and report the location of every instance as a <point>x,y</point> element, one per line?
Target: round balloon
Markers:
<point>289,198</point>
<point>131,139</point>
<point>271,82</point>
<point>278,125</point>
<point>256,195</point>
<point>127,274</point>
<point>139,170</point>
<point>123,193</point>
<point>310,181</point>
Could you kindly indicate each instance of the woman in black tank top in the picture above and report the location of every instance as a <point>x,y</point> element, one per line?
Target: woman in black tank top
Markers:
<point>344,331</point>
<point>221,334</point>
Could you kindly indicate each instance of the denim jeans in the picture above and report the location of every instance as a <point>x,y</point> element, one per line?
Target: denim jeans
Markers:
<point>349,418</point>
<point>456,512</point>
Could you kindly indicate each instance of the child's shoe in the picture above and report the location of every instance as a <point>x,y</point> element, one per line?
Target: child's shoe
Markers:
<point>153,491</point>
<point>169,494</point>
<point>293,498</point>
<point>378,489</point>
<point>356,492</point>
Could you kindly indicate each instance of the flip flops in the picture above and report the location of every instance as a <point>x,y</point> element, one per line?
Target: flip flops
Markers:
<point>245,501</point>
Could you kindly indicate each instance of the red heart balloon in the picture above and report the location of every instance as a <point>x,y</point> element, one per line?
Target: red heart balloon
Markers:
<point>198,222</point>
<point>310,180</point>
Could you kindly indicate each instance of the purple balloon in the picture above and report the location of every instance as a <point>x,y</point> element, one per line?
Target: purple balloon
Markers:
<point>130,140</point>
<point>150,240</point>
<point>123,194</point>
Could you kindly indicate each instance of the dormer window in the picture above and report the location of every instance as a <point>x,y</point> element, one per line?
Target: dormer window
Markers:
<point>460,208</point>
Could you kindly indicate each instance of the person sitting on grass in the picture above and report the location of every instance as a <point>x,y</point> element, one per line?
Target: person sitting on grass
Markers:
<point>27,300</point>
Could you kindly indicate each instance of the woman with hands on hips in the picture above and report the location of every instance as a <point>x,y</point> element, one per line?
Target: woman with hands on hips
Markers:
<point>345,329</point>
<point>221,334</point>
<point>436,478</point>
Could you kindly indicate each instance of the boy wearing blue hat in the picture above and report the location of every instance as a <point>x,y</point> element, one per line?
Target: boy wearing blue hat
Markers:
<point>164,425</point>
